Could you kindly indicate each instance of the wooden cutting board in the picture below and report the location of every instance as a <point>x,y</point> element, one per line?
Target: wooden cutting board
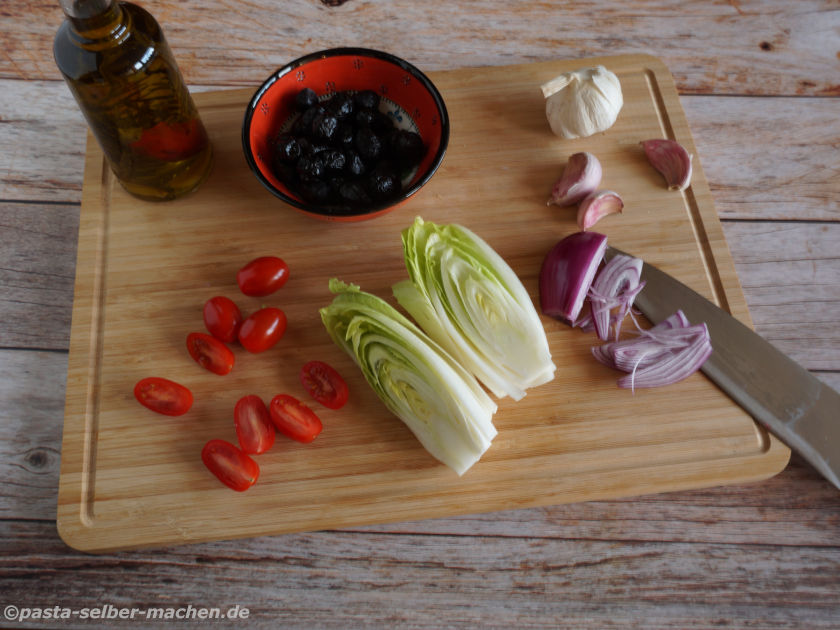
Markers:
<point>132,478</point>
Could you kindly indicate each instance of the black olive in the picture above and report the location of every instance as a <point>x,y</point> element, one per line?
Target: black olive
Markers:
<point>286,173</point>
<point>303,124</point>
<point>305,98</point>
<point>367,143</point>
<point>381,123</point>
<point>344,135</point>
<point>355,164</point>
<point>341,105</point>
<point>324,126</point>
<point>407,147</point>
<point>286,148</point>
<point>364,117</point>
<point>354,193</point>
<point>315,190</point>
<point>310,167</point>
<point>367,98</point>
<point>333,159</point>
<point>383,182</point>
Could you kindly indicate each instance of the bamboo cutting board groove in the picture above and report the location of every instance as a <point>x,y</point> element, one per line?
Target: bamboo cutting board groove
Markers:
<point>132,478</point>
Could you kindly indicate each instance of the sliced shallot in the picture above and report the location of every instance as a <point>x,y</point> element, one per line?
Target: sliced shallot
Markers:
<point>612,293</point>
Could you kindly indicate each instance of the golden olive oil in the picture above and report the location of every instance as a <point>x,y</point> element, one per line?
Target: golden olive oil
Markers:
<point>120,70</point>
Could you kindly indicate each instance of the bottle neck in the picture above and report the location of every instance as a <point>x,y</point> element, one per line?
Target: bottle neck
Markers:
<point>93,17</point>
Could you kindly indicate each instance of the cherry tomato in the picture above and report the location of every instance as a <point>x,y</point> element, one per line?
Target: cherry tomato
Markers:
<point>163,396</point>
<point>294,419</point>
<point>324,384</point>
<point>262,276</point>
<point>210,353</point>
<point>234,468</point>
<point>253,425</point>
<point>222,318</point>
<point>262,329</point>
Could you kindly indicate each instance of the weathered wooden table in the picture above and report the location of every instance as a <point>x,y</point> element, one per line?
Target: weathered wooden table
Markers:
<point>760,83</point>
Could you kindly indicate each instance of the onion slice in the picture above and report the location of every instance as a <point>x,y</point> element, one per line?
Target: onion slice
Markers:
<point>567,273</point>
<point>668,353</point>
<point>612,293</point>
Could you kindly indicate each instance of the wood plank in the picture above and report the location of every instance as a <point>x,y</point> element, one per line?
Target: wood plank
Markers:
<point>769,158</point>
<point>349,580</point>
<point>37,271</point>
<point>789,47</point>
<point>43,138</point>
<point>791,277</point>
<point>31,413</point>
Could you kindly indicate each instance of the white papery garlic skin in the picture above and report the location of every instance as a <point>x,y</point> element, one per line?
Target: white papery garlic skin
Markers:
<point>582,103</point>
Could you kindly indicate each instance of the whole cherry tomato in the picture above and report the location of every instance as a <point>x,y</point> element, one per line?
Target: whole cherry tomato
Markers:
<point>210,353</point>
<point>253,425</point>
<point>222,318</point>
<point>294,419</point>
<point>262,329</point>
<point>324,384</point>
<point>163,396</point>
<point>233,468</point>
<point>262,276</point>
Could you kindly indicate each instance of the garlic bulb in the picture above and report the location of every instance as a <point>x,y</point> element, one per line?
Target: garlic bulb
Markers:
<point>582,103</point>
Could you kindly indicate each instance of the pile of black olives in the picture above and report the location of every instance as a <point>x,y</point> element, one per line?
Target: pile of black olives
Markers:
<point>343,154</point>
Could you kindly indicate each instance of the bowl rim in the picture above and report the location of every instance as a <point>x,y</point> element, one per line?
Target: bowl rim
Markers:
<point>338,52</point>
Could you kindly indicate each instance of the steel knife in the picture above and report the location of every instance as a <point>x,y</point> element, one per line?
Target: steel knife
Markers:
<point>799,409</point>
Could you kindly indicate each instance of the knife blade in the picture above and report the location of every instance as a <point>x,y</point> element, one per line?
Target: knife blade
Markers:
<point>799,409</point>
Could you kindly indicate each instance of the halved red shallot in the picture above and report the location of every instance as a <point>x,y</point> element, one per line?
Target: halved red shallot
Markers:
<point>567,273</point>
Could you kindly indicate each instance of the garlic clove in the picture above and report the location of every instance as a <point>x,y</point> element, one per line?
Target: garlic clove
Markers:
<point>580,177</point>
<point>672,160</point>
<point>596,206</point>
<point>582,103</point>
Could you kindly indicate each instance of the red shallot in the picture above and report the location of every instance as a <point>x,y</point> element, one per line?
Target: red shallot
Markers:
<point>569,279</point>
<point>567,273</point>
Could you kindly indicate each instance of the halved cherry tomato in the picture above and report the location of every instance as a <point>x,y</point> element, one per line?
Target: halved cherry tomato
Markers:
<point>222,318</point>
<point>294,419</point>
<point>324,384</point>
<point>163,396</point>
<point>253,425</point>
<point>210,353</point>
<point>233,468</point>
<point>262,276</point>
<point>262,329</point>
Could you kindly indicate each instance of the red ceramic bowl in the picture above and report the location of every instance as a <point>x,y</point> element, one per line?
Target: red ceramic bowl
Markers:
<point>406,95</point>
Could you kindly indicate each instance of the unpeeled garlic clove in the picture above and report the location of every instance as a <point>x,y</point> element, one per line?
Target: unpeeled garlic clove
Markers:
<point>672,160</point>
<point>580,177</point>
<point>596,206</point>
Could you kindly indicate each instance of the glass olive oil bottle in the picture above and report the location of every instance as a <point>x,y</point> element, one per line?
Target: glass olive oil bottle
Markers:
<point>118,66</point>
